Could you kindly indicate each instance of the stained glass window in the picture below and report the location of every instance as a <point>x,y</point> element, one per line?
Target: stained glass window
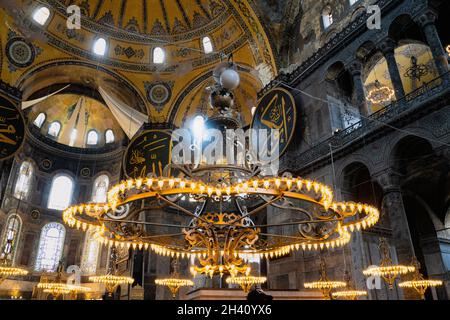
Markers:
<point>10,237</point>
<point>51,246</point>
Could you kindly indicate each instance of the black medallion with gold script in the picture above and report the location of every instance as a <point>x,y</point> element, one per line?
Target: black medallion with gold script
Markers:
<point>277,110</point>
<point>148,153</point>
<point>12,129</point>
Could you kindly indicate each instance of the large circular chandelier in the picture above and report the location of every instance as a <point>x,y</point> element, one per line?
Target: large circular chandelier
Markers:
<point>211,213</point>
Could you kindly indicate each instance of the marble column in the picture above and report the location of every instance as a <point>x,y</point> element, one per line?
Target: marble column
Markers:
<point>355,69</point>
<point>426,21</point>
<point>392,206</point>
<point>387,47</point>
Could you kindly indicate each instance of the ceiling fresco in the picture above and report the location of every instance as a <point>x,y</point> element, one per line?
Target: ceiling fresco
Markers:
<point>132,30</point>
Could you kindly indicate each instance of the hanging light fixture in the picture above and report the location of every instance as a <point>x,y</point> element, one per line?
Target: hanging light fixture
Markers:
<point>174,282</point>
<point>324,284</point>
<point>349,293</point>
<point>223,200</point>
<point>387,270</point>
<point>380,93</point>
<point>418,282</point>
<point>112,280</point>
<point>6,269</point>
<point>58,288</point>
<point>246,282</point>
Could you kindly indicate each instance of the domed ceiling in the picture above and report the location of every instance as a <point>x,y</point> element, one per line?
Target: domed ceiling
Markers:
<point>132,30</point>
<point>82,113</point>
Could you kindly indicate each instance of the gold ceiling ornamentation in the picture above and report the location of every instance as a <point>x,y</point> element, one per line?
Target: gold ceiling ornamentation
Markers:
<point>387,270</point>
<point>419,283</point>
<point>246,282</point>
<point>324,284</point>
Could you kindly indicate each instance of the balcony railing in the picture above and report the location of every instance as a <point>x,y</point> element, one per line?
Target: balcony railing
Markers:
<point>375,121</point>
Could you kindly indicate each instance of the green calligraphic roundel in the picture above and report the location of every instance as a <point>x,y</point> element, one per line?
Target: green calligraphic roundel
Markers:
<point>277,110</point>
<point>148,153</point>
<point>12,129</point>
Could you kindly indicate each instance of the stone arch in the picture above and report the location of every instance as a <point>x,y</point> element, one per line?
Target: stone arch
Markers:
<point>80,73</point>
<point>358,185</point>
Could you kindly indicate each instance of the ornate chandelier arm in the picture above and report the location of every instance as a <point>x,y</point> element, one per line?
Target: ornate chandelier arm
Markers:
<point>293,223</point>
<point>163,235</point>
<point>256,210</point>
<point>181,208</point>
<point>148,223</point>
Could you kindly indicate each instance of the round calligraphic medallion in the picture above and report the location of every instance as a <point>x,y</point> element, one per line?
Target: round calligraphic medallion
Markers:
<point>12,129</point>
<point>148,153</point>
<point>276,111</point>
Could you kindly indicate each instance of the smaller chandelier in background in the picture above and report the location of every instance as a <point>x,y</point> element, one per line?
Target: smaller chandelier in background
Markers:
<point>324,284</point>
<point>380,94</point>
<point>246,282</point>
<point>174,282</point>
<point>349,293</point>
<point>387,270</point>
<point>419,283</point>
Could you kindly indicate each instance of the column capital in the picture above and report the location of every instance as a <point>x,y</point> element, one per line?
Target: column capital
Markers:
<point>355,68</point>
<point>387,45</point>
<point>389,180</point>
<point>426,18</point>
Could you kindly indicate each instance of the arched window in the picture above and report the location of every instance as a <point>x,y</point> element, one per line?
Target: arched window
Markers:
<point>100,189</point>
<point>60,193</point>
<point>100,47</point>
<point>327,17</point>
<point>40,119</point>
<point>23,182</point>
<point>11,237</point>
<point>54,129</point>
<point>41,15</point>
<point>207,45</point>
<point>109,136</point>
<point>90,254</point>
<point>73,137</point>
<point>158,55</point>
<point>51,246</point>
<point>92,138</point>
